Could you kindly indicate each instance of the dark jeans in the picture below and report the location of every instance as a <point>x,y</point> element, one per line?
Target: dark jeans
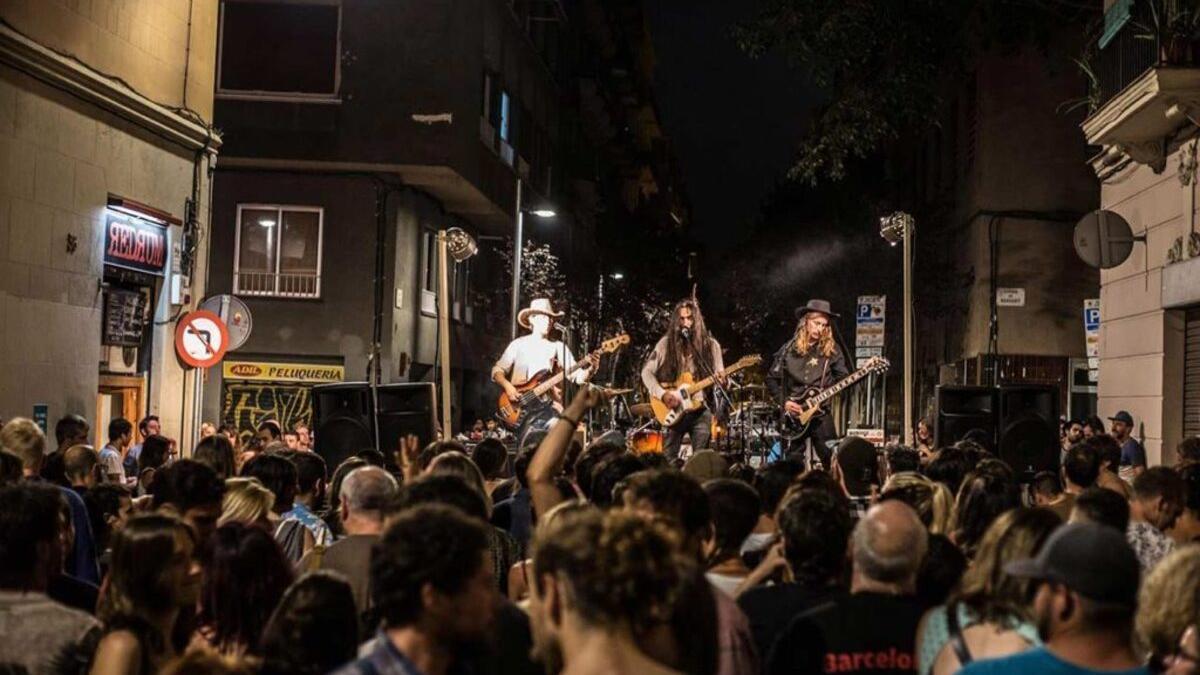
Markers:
<point>821,431</point>
<point>697,424</point>
<point>535,418</point>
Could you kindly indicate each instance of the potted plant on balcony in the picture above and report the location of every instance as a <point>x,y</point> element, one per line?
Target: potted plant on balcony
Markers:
<point>1175,27</point>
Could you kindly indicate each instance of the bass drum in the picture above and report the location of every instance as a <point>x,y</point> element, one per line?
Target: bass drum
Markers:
<point>646,442</point>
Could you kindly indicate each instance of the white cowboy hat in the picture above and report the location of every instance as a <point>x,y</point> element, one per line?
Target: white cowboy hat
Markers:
<point>536,306</point>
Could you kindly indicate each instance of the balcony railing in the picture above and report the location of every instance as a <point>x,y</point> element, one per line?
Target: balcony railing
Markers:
<point>282,285</point>
<point>1129,54</point>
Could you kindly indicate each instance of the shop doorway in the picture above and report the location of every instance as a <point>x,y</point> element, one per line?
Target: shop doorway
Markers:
<point>119,396</point>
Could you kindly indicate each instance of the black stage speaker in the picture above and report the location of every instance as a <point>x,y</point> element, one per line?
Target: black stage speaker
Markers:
<point>406,408</point>
<point>342,420</point>
<point>965,408</point>
<point>1028,428</point>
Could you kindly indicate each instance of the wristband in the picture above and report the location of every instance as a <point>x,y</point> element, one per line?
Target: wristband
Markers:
<point>564,418</point>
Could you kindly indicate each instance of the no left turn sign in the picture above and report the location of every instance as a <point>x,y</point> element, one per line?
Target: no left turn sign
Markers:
<point>201,339</point>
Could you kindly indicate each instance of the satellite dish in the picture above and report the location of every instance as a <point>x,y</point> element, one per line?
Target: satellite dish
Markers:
<point>1103,239</point>
<point>236,316</point>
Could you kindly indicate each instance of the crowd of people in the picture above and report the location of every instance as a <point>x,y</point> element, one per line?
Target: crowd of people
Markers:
<point>257,557</point>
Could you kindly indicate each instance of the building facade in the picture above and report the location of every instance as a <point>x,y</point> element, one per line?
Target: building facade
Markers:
<point>347,150</point>
<point>995,189</point>
<point>1144,131</point>
<point>106,148</point>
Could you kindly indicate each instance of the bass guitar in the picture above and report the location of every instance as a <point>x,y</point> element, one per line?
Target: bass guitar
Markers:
<point>686,388</point>
<point>531,393</point>
<point>812,401</point>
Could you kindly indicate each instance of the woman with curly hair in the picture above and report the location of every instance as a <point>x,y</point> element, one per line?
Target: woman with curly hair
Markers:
<point>153,576</point>
<point>986,492</point>
<point>988,616</point>
<point>1168,604</point>
<point>601,580</point>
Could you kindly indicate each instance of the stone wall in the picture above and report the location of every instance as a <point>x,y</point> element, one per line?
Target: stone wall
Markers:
<point>59,160</point>
<point>1141,343</point>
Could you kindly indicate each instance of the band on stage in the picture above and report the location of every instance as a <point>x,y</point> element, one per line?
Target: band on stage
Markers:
<point>688,390</point>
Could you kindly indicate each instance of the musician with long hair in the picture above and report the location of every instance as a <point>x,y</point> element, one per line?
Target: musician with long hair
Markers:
<point>686,348</point>
<point>810,360</point>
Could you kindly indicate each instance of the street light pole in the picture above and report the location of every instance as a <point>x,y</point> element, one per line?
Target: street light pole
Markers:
<point>908,333</point>
<point>898,228</point>
<point>518,246</point>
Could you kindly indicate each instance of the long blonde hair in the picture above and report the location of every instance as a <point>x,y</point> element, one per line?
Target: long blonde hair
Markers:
<point>825,345</point>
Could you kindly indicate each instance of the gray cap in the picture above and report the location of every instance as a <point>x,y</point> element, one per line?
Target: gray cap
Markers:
<point>1093,560</point>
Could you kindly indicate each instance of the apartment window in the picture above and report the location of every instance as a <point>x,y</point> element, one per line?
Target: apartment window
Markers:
<point>278,251</point>
<point>458,276</point>
<point>505,116</point>
<point>274,49</point>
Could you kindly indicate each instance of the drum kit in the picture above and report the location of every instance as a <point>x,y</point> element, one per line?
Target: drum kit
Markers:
<point>749,432</point>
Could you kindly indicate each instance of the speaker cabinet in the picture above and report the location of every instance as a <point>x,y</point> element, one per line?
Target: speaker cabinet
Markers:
<point>406,408</point>
<point>343,421</point>
<point>1028,428</point>
<point>962,409</point>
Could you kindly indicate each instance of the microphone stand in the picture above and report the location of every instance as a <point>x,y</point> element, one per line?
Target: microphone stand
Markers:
<point>718,390</point>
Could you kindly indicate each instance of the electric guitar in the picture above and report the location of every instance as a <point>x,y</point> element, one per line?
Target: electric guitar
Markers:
<point>686,388</point>
<point>531,393</point>
<point>798,425</point>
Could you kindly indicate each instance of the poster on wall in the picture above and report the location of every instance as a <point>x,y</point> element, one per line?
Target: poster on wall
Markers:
<point>124,317</point>
<point>257,390</point>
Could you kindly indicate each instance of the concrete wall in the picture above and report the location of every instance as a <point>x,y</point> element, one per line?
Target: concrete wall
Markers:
<point>1029,157</point>
<point>144,42</point>
<point>60,157</point>
<point>1141,343</point>
<point>339,324</point>
<point>437,68</point>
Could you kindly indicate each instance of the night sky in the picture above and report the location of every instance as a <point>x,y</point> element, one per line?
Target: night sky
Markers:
<point>734,121</point>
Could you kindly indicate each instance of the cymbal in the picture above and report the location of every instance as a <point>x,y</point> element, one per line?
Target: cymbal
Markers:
<point>641,410</point>
<point>616,392</point>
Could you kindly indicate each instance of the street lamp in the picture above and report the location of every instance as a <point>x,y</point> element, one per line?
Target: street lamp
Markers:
<point>456,244</point>
<point>518,247</point>
<point>898,228</point>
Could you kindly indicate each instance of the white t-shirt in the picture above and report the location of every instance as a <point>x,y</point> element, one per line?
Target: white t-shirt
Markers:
<point>111,460</point>
<point>530,354</point>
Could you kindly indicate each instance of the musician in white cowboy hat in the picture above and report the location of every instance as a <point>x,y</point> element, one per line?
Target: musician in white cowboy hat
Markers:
<point>534,353</point>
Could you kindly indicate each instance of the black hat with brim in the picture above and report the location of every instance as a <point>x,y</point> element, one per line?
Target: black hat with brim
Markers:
<point>819,306</point>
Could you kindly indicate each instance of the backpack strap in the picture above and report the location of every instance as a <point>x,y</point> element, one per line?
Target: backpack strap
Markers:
<point>961,652</point>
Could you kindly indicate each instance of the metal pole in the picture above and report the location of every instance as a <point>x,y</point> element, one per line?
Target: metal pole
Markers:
<point>518,246</point>
<point>444,331</point>
<point>908,332</point>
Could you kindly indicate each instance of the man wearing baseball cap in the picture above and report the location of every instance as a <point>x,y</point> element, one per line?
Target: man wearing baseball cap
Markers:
<point>1133,455</point>
<point>1086,581</point>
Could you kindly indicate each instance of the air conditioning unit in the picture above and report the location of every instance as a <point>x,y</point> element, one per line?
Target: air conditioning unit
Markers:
<point>119,360</point>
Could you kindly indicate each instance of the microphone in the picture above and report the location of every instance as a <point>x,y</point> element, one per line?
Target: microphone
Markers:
<point>561,328</point>
<point>686,333</point>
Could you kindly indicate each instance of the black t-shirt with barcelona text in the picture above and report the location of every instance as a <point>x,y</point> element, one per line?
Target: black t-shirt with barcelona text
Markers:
<point>859,633</point>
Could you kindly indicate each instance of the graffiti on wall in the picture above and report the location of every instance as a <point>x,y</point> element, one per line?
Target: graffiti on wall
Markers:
<point>282,391</point>
<point>246,404</point>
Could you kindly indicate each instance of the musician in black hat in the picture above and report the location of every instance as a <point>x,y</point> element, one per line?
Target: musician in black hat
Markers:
<point>812,359</point>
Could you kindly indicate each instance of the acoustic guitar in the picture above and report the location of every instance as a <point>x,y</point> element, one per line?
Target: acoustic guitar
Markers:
<point>685,387</point>
<point>534,391</point>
